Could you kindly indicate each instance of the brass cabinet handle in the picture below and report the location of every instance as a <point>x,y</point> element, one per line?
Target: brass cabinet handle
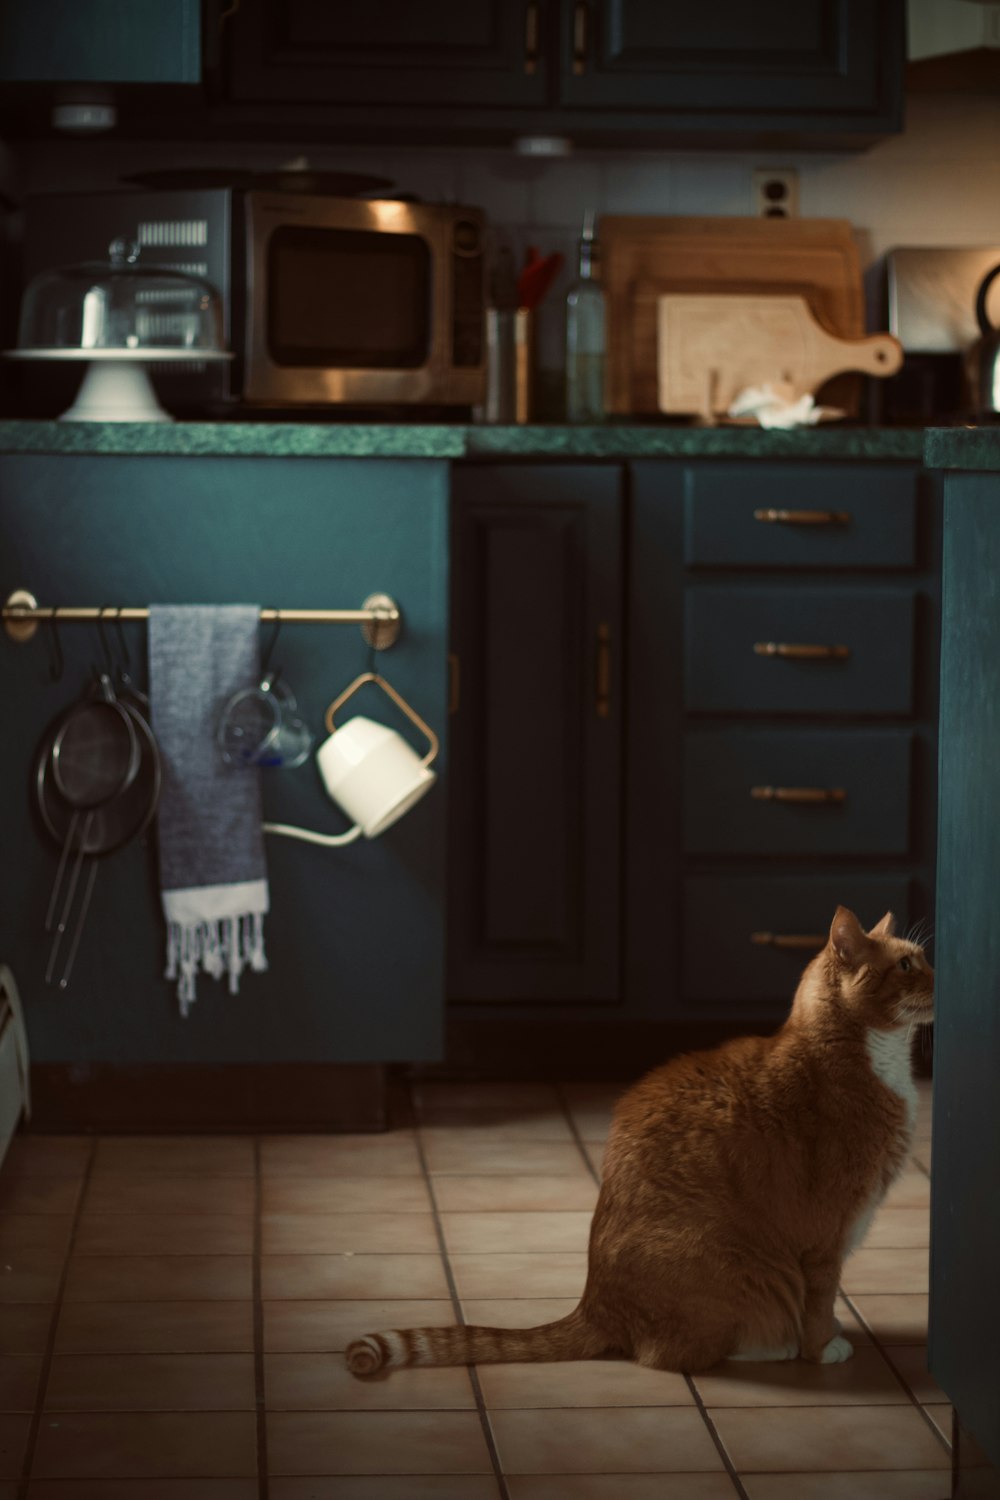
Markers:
<point>579,38</point>
<point>602,675</point>
<point>801,651</point>
<point>803,517</point>
<point>531,37</point>
<point>798,793</point>
<point>789,939</point>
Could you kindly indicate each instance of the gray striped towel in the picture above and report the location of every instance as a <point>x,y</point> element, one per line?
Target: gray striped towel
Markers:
<point>213,875</point>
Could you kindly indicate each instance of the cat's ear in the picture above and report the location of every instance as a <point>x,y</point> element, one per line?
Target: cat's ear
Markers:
<point>848,938</point>
<point>884,929</point>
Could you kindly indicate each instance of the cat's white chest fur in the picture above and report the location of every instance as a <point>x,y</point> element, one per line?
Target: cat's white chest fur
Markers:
<point>891,1062</point>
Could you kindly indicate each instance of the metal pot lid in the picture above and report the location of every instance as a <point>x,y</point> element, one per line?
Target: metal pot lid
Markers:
<point>282,180</point>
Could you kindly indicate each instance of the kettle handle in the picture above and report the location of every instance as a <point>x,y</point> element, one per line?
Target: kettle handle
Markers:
<point>985,326</point>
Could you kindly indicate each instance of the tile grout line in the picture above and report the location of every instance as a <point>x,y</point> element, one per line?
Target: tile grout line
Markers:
<point>696,1395</point>
<point>883,1351</point>
<point>716,1439</point>
<point>50,1342</point>
<point>575,1133</point>
<point>260,1396</point>
<point>456,1303</point>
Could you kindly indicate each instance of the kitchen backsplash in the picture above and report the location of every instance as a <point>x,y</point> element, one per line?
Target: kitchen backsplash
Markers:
<point>938,183</point>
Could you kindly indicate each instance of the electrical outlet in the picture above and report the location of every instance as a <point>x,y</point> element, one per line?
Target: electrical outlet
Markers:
<point>776,192</point>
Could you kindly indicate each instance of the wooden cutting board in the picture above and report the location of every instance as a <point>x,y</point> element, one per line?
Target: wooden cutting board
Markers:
<point>645,257</point>
<point>712,347</point>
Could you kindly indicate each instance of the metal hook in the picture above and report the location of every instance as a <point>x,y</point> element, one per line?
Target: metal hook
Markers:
<point>109,662</point>
<point>126,661</point>
<point>270,647</point>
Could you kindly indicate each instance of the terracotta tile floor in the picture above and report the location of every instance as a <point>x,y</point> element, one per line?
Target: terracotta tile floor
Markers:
<point>173,1314</point>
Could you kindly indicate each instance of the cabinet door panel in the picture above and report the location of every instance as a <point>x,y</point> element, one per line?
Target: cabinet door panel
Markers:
<point>725,673</point>
<point>355,936</point>
<point>770,792</point>
<point>813,57</point>
<point>726,922</point>
<point>451,52</point>
<point>103,41</point>
<point>964,1349</point>
<point>533,885</point>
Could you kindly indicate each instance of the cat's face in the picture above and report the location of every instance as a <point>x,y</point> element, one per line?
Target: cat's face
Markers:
<point>883,978</point>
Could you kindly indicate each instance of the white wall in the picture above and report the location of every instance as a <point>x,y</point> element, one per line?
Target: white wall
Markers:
<point>938,183</point>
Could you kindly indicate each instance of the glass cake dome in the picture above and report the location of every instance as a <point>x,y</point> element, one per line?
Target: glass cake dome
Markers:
<point>119,315</point>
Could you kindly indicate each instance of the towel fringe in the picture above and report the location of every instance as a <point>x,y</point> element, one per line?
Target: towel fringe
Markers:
<point>222,946</point>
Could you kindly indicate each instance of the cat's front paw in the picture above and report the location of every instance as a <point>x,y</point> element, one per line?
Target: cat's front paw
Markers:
<point>836,1351</point>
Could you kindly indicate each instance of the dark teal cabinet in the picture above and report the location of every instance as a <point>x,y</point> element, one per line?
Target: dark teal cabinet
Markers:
<point>781,721</point>
<point>535,799</point>
<point>964,1346</point>
<point>100,41</point>
<point>599,71</point>
<point>761,62</point>
<point>355,936</point>
<point>445,54</point>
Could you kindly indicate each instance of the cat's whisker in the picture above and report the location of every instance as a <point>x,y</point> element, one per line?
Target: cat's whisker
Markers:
<point>920,933</point>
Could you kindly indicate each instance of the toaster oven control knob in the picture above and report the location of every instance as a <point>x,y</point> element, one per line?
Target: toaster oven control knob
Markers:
<point>468,238</point>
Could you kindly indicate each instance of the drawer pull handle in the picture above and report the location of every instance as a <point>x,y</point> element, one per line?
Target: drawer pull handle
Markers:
<point>798,793</point>
<point>580,43</point>
<point>802,652</point>
<point>789,939</point>
<point>531,37</point>
<point>602,675</point>
<point>803,517</point>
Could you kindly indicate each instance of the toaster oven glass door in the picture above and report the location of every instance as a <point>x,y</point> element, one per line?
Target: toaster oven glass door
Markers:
<point>348,299</point>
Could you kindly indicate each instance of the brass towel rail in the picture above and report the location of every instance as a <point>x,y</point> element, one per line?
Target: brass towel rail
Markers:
<point>379,616</point>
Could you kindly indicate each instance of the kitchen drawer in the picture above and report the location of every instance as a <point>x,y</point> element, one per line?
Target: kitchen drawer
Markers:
<point>799,516</point>
<point>726,669</point>
<point>726,922</point>
<point>794,791</point>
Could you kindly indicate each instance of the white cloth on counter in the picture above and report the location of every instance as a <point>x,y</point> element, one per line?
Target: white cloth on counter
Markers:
<point>777,406</point>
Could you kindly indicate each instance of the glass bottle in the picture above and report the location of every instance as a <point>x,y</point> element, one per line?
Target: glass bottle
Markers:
<point>585,334</point>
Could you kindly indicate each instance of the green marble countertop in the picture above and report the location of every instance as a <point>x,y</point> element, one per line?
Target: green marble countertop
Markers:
<point>392,440</point>
<point>962,448</point>
<point>937,447</point>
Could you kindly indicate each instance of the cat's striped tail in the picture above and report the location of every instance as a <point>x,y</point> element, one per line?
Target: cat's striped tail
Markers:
<point>571,1337</point>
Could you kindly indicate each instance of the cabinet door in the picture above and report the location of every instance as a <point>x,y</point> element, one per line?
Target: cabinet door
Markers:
<point>535,805</point>
<point>355,935</point>
<point>391,52</point>
<point>105,41</point>
<point>729,58</point>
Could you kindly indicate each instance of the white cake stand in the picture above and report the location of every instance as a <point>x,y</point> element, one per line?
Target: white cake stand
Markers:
<point>117,387</point>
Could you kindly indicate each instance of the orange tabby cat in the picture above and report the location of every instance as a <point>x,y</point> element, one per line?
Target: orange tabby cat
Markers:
<point>735,1183</point>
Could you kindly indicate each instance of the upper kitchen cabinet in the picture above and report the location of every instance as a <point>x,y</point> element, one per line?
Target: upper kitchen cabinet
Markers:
<point>820,64</point>
<point>825,73</point>
<point>102,41</point>
<point>391,53</point>
<point>98,66</point>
